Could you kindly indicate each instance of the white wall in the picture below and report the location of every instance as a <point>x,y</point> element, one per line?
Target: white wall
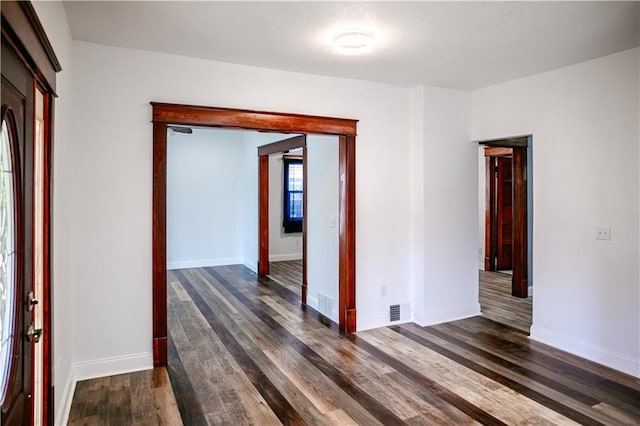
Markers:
<point>322,222</point>
<point>417,183</point>
<point>584,121</point>
<point>54,21</point>
<point>281,246</point>
<point>252,140</point>
<point>449,286</point>
<point>204,198</point>
<point>114,171</point>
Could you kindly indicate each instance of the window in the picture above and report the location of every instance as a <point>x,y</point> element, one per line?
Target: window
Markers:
<point>292,195</point>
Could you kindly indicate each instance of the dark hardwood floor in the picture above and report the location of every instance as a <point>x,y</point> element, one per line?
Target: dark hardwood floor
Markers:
<point>496,300</point>
<point>288,273</point>
<point>242,351</point>
<point>143,398</point>
<point>498,304</point>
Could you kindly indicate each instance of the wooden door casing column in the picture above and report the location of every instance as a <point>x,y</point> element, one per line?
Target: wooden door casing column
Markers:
<point>517,147</point>
<point>280,147</point>
<point>504,213</point>
<point>305,221</point>
<point>159,238</point>
<point>263,198</point>
<point>520,285</point>
<point>347,234</point>
<point>191,115</point>
<point>24,37</point>
<point>263,207</point>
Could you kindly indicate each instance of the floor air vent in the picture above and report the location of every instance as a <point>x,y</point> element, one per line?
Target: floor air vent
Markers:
<point>400,312</point>
<point>394,313</point>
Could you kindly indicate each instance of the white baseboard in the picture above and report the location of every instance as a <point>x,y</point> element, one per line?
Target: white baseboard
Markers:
<point>376,321</point>
<point>98,368</point>
<point>587,350</point>
<point>446,315</point>
<point>251,265</point>
<point>312,301</point>
<point>63,408</point>
<point>368,322</point>
<point>203,263</point>
<point>283,257</point>
<point>112,366</point>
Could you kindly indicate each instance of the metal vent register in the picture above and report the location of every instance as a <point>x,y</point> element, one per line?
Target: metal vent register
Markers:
<point>394,313</point>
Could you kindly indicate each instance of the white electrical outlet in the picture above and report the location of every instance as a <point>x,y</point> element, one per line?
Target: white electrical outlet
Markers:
<point>383,291</point>
<point>603,233</point>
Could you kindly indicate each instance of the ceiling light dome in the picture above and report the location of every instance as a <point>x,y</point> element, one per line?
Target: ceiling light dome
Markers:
<point>353,41</point>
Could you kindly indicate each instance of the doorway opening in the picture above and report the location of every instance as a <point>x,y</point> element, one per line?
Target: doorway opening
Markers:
<point>285,176</point>
<point>299,207</point>
<point>186,115</point>
<point>506,225</point>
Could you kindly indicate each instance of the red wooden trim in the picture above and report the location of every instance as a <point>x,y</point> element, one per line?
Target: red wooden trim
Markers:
<point>496,151</point>
<point>520,284</point>
<point>159,237</point>
<point>518,145</point>
<point>304,222</point>
<point>242,119</point>
<point>253,120</point>
<point>488,213</point>
<point>263,214</point>
<point>283,145</point>
<point>160,351</point>
<point>26,34</point>
<point>508,142</point>
<point>347,255</point>
<point>46,301</point>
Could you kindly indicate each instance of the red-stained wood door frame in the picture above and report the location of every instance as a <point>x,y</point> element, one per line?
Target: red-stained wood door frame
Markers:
<point>24,36</point>
<point>263,204</point>
<point>190,115</point>
<point>264,151</point>
<point>518,145</point>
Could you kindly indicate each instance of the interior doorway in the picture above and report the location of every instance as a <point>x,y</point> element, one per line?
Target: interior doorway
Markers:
<point>506,210</point>
<point>505,193</point>
<point>186,115</point>
<point>294,221</point>
<point>499,210</point>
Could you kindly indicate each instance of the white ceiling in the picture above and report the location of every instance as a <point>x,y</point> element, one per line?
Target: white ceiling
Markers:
<point>463,45</point>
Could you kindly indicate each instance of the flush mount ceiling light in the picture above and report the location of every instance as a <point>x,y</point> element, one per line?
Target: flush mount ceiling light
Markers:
<point>353,41</point>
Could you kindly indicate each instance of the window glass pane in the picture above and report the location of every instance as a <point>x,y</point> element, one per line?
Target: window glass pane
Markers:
<point>295,205</point>
<point>295,177</point>
<point>7,256</point>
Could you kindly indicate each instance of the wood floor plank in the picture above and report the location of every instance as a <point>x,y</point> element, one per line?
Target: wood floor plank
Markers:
<point>281,407</point>
<point>141,398</point>
<point>498,304</point>
<point>381,412</point>
<point>538,387</point>
<point>484,326</point>
<point>317,386</point>
<point>242,350</point>
<point>245,334</point>
<point>455,386</point>
<point>287,273</point>
<point>485,394</point>
<point>207,363</point>
<point>583,385</point>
